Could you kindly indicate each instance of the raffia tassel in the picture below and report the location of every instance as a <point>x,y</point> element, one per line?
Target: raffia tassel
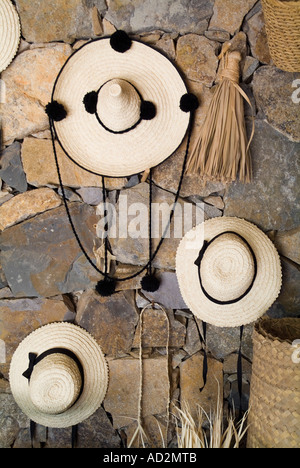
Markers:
<point>222,152</point>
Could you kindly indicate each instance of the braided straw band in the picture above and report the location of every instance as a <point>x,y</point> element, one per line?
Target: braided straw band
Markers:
<point>30,396</point>
<point>10,33</point>
<point>263,292</point>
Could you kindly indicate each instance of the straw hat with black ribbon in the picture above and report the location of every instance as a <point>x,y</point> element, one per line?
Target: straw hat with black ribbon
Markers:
<point>118,108</point>
<point>229,274</point>
<point>229,271</point>
<point>58,375</point>
<point>10,33</point>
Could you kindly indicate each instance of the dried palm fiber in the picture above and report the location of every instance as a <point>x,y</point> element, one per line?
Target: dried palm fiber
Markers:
<point>140,435</point>
<point>274,417</point>
<point>282,20</point>
<point>222,151</point>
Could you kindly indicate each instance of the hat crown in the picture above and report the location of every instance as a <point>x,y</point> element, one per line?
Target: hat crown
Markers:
<point>55,384</point>
<point>227,268</point>
<point>119,105</point>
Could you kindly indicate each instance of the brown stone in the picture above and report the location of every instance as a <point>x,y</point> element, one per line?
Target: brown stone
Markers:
<point>27,205</point>
<point>168,174</point>
<point>191,380</point>
<point>111,320</point>
<point>273,91</point>
<point>19,317</point>
<point>288,244</point>
<point>179,16</point>
<point>123,392</point>
<point>168,294</point>
<point>289,297</point>
<point>66,20</point>
<point>229,14</point>
<point>40,168</point>
<point>155,330</point>
<point>130,243</point>
<point>41,257</point>
<point>270,200</point>
<point>29,81</point>
<point>94,432</point>
<point>215,201</point>
<point>256,32</point>
<point>196,57</point>
<point>193,343</point>
<point>167,46</point>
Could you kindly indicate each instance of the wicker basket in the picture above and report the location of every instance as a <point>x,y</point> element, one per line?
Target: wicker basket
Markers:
<point>282,20</point>
<point>274,418</point>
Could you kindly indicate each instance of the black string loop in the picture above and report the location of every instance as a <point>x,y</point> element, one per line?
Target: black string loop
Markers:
<point>149,263</point>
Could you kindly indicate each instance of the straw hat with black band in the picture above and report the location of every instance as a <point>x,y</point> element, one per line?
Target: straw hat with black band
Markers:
<point>118,108</point>
<point>10,33</point>
<point>229,271</point>
<point>229,274</point>
<point>58,375</point>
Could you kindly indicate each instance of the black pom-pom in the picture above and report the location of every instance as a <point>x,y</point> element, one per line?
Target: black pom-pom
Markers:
<point>189,102</point>
<point>120,41</point>
<point>148,110</point>
<point>106,287</point>
<point>150,283</point>
<point>90,102</point>
<point>56,111</point>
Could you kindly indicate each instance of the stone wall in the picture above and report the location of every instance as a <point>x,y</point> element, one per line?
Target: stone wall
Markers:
<point>43,275</point>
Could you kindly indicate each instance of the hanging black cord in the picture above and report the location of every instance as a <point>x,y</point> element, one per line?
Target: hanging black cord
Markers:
<point>150,222</point>
<point>53,137</point>
<point>240,372</point>
<point>105,228</point>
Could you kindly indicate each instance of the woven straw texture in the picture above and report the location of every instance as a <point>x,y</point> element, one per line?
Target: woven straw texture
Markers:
<point>283,30</point>
<point>89,353</point>
<point>10,33</point>
<point>274,417</point>
<point>151,142</point>
<point>230,260</point>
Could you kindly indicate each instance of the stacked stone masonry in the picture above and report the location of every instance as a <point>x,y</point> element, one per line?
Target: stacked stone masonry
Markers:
<point>44,277</point>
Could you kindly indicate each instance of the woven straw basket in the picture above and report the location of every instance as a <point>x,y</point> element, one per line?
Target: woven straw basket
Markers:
<point>274,417</point>
<point>283,30</point>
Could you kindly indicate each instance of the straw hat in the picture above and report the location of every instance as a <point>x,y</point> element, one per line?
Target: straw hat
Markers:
<point>58,375</point>
<point>118,108</point>
<point>229,272</point>
<point>10,33</point>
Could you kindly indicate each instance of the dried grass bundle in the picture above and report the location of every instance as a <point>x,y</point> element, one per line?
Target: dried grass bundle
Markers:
<point>191,434</point>
<point>222,151</point>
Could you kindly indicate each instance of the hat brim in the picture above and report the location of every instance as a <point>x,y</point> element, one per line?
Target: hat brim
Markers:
<point>10,33</point>
<point>92,147</point>
<point>87,350</point>
<point>264,291</point>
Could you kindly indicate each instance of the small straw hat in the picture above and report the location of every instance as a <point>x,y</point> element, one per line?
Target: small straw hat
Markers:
<point>59,375</point>
<point>121,109</point>
<point>229,272</point>
<point>10,33</point>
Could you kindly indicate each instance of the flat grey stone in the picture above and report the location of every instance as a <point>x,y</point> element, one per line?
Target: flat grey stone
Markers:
<point>271,200</point>
<point>11,169</point>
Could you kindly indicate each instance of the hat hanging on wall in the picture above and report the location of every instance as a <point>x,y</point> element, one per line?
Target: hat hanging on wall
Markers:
<point>10,33</point>
<point>116,106</point>
<point>229,272</point>
<point>59,375</point>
